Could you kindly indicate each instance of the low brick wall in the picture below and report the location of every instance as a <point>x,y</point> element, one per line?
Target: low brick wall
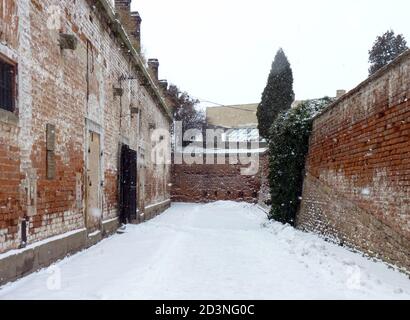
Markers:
<point>357,188</point>
<point>215,182</point>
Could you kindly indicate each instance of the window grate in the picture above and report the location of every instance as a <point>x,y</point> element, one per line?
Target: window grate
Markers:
<point>6,86</point>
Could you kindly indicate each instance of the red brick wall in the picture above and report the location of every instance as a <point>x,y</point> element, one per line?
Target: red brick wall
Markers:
<point>52,88</point>
<point>214,182</point>
<point>357,188</point>
<point>8,22</point>
<point>10,206</point>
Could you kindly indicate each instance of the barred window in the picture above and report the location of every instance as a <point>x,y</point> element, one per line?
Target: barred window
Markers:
<point>7,85</point>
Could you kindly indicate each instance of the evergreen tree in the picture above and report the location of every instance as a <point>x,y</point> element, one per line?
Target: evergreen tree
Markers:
<point>278,95</point>
<point>385,49</point>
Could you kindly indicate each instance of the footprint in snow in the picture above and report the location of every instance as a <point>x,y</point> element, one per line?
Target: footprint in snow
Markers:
<point>399,291</point>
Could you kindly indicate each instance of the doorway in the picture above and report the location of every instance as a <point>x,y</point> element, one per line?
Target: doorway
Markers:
<point>93,186</point>
<point>128,185</point>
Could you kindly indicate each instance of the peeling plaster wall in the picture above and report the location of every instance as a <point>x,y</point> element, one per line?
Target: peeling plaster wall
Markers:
<point>357,188</point>
<point>52,89</point>
<point>9,22</point>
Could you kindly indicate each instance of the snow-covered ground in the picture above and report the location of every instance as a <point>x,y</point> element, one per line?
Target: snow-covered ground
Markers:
<point>222,250</point>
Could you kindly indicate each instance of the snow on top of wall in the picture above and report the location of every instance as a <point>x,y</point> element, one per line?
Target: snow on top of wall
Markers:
<point>40,243</point>
<point>200,150</point>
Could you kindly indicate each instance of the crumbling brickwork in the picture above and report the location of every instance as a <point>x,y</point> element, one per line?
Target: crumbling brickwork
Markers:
<point>357,188</point>
<point>215,182</point>
<point>72,89</point>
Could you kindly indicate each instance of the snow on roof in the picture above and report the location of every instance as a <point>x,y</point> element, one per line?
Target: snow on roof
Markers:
<point>200,150</point>
<point>241,135</point>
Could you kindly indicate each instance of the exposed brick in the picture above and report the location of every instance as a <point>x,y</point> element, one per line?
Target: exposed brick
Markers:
<point>207,183</point>
<point>52,88</point>
<point>356,187</point>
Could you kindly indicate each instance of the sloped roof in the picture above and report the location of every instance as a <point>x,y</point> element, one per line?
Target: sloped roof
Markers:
<point>152,87</point>
<point>242,135</point>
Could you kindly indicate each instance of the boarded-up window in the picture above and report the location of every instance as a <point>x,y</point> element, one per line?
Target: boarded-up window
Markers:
<point>7,82</point>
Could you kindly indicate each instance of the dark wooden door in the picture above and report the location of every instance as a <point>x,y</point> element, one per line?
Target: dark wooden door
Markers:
<point>128,185</point>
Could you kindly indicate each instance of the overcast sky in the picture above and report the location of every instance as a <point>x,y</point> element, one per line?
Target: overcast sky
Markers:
<point>222,50</point>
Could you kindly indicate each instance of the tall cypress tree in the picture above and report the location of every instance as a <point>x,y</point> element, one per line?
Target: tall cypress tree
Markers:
<point>278,95</point>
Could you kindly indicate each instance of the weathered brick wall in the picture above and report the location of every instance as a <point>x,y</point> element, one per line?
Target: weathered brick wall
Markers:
<point>357,188</point>
<point>8,22</point>
<point>52,88</point>
<point>264,198</point>
<point>10,207</point>
<point>215,182</point>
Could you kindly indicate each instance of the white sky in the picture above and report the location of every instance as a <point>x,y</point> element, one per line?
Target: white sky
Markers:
<point>222,50</point>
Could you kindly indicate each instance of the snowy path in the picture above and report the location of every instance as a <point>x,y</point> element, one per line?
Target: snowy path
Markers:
<point>222,250</point>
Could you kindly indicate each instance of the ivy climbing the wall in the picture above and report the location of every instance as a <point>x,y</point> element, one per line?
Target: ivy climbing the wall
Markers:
<point>288,148</point>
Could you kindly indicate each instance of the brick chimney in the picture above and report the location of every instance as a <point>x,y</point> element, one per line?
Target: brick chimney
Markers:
<point>163,84</point>
<point>136,30</point>
<point>123,5</point>
<point>340,93</point>
<point>131,22</point>
<point>153,66</point>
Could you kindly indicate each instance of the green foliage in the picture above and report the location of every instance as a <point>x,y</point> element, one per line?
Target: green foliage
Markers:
<point>385,49</point>
<point>288,147</point>
<point>278,94</point>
